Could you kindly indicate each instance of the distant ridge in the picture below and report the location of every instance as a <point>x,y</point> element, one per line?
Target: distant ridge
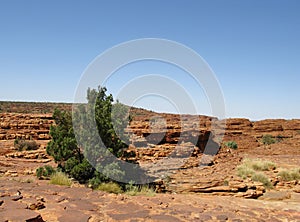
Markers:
<point>32,107</point>
<point>49,107</point>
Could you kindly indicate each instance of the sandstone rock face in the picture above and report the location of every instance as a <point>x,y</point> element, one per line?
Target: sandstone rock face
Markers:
<point>144,134</point>
<point>197,130</point>
<point>25,126</point>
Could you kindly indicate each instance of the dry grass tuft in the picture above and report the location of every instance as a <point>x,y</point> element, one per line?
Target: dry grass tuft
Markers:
<point>142,190</point>
<point>110,187</point>
<point>60,178</point>
<point>249,168</point>
<point>288,175</point>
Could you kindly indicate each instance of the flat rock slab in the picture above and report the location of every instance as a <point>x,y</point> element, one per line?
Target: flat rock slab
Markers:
<point>10,204</point>
<point>84,205</point>
<point>126,211</point>
<point>164,218</point>
<point>142,214</point>
<point>276,195</point>
<point>74,216</point>
<point>17,215</point>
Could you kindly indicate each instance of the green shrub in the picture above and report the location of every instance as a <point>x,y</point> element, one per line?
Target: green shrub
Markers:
<point>21,144</point>
<point>231,144</point>
<point>290,175</point>
<point>83,171</point>
<point>268,139</point>
<point>110,187</point>
<point>80,171</point>
<point>60,178</point>
<point>94,182</point>
<point>260,177</point>
<point>45,172</point>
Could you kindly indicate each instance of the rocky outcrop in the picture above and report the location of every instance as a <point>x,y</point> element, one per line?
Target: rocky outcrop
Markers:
<point>154,141</point>
<point>31,154</point>
<point>25,126</point>
<point>149,129</point>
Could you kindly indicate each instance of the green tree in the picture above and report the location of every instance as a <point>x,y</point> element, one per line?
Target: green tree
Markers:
<point>74,154</point>
<point>108,141</point>
<point>63,144</point>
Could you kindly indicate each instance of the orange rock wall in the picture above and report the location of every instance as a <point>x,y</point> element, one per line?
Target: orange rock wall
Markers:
<point>26,126</point>
<point>245,132</point>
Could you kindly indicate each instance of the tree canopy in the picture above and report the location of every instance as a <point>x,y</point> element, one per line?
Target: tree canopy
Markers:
<point>80,156</point>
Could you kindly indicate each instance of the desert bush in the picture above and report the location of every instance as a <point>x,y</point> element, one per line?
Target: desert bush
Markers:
<point>249,168</point>
<point>260,177</point>
<point>288,175</point>
<point>263,165</point>
<point>259,165</point>
<point>296,174</point>
<point>45,172</point>
<point>60,178</point>
<point>231,144</point>
<point>268,139</point>
<point>244,171</point>
<point>21,144</point>
<point>110,187</point>
<point>226,183</point>
<point>137,190</point>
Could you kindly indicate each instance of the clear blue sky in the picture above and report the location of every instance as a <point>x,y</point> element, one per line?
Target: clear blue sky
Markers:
<point>252,46</point>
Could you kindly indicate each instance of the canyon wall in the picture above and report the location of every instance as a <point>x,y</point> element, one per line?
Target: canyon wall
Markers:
<point>158,133</point>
